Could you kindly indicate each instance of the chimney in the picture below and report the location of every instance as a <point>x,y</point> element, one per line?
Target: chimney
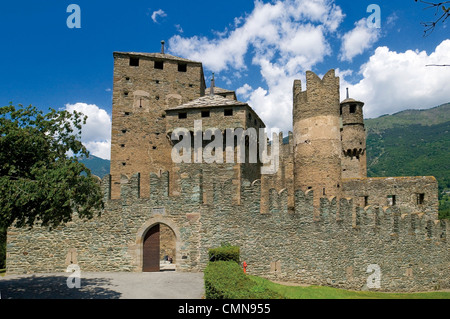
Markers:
<point>211,93</point>
<point>162,46</point>
<point>348,96</point>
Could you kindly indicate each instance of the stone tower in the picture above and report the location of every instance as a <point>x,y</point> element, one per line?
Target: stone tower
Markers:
<point>353,133</point>
<point>145,85</point>
<point>317,138</point>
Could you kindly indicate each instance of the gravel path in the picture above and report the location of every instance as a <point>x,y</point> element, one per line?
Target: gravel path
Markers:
<point>157,285</point>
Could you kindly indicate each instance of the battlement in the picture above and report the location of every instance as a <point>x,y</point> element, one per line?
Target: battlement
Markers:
<point>335,214</point>
<point>320,97</point>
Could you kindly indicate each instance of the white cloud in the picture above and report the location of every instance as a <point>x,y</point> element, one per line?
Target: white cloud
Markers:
<point>244,90</point>
<point>179,28</point>
<point>358,40</point>
<point>96,133</point>
<point>284,38</point>
<point>158,13</point>
<point>394,81</point>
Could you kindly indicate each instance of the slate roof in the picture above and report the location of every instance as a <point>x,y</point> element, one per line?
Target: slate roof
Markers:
<point>350,100</point>
<point>208,101</point>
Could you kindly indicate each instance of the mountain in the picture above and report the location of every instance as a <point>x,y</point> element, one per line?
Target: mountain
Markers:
<point>411,143</point>
<point>97,165</point>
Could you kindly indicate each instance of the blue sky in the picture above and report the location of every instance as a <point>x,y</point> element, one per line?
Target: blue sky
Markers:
<point>256,48</point>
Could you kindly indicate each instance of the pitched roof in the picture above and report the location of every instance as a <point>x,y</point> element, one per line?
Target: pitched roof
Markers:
<point>350,100</point>
<point>157,56</point>
<point>208,101</point>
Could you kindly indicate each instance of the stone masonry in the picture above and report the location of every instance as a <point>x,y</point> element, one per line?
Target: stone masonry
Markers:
<point>317,220</point>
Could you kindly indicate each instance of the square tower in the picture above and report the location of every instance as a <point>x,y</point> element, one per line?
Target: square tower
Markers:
<point>145,85</point>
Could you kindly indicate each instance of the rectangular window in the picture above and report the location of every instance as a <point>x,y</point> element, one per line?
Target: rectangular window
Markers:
<point>182,115</point>
<point>159,65</point>
<point>366,201</point>
<point>420,199</point>
<point>391,200</point>
<point>228,112</point>
<point>205,114</point>
<point>353,108</point>
<point>182,67</point>
<point>134,61</point>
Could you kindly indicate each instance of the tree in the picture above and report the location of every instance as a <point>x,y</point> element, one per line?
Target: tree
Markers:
<point>41,180</point>
<point>442,13</point>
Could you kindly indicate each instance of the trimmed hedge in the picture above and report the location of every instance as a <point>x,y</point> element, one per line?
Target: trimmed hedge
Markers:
<point>224,253</point>
<point>226,280</point>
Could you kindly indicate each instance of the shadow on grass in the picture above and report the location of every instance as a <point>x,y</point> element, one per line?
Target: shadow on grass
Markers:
<point>55,287</point>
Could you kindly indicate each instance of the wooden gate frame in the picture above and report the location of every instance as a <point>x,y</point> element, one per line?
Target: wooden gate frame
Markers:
<point>141,235</point>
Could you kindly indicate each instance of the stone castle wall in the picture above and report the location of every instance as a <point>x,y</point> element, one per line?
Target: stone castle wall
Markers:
<point>411,248</point>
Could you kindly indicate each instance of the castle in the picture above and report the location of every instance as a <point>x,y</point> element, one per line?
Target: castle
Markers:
<point>317,220</point>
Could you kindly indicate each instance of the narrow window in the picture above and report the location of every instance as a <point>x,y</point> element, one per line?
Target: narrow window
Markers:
<point>309,187</point>
<point>122,145</point>
<point>154,147</point>
<point>366,201</point>
<point>159,65</point>
<point>124,131</point>
<point>420,199</point>
<point>228,112</point>
<point>323,191</point>
<point>127,113</point>
<point>191,85</point>
<point>182,115</point>
<point>123,163</point>
<point>205,113</point>
<point>125,94</point>
<point>249,116</point>
<point>134,61</point>
<point>391,200</point>
<point>353,108</point>
<point>157,81</point>
<point>182,67</point>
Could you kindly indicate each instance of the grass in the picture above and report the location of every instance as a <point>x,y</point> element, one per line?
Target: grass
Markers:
<point>2,272</point>
<point>317,292</point>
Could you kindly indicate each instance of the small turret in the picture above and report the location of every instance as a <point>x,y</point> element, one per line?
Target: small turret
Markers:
<point>353,136</point>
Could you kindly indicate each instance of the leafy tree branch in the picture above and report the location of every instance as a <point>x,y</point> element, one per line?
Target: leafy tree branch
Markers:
<point>41,179</point>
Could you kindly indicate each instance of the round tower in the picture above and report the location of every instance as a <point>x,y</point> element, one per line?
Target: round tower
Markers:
<point>353,134</point>
<point>317,138</point>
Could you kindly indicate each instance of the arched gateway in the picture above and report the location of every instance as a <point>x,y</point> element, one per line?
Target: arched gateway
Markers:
<point>158,243</point>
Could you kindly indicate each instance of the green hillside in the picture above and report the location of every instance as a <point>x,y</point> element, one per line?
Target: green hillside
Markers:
<point>98,166</point>
<point>429,117</point>
<point>411,143</point>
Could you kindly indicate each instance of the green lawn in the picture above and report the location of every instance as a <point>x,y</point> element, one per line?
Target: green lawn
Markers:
<point>316,292</point>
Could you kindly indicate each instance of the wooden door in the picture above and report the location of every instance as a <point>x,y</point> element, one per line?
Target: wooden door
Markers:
<point>151,250</point>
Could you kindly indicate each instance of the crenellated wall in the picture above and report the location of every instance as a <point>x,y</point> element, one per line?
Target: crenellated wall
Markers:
<point>334,248</point>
